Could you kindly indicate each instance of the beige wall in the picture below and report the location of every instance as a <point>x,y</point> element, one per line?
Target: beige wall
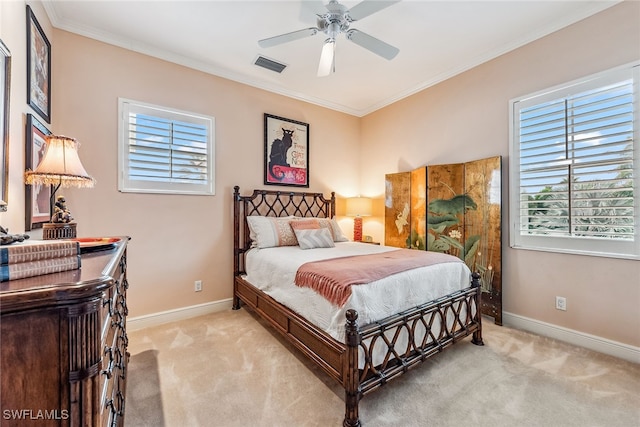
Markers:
<point>175,239</point>
<point>467,117</point>
<point>179,239</point>
<point>13,34</point>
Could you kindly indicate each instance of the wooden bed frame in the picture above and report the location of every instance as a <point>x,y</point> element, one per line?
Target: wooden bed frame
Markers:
<point>458,312</point>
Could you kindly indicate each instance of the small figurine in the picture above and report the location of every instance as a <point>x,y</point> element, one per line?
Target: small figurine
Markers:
<point>7,239</point>
<point>60,211</point>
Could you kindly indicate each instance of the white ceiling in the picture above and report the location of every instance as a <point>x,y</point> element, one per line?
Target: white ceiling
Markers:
<point>437,40</point>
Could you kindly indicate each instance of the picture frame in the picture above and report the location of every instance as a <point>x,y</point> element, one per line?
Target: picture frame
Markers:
<point>38,68</point>
<point>37,196</point>
<point>5,96</point>
<point>286,152</point>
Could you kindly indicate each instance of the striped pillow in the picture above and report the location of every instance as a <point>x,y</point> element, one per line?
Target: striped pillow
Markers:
<point>312,238</point>
<point>267,232</point>
<point>328,223</point>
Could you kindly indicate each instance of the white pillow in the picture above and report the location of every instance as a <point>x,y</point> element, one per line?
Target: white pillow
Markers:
<point>334,228</point>
<point>312,238</point>
<point>267,231</point>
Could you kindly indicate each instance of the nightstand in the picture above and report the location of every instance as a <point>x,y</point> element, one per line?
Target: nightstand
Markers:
<point>371,243</point>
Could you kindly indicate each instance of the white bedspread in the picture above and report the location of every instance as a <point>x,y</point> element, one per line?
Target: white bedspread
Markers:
<point>273,271</point>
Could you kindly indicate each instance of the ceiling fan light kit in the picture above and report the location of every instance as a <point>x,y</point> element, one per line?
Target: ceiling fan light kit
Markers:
<point>327,58</point>
<point>337,21</point>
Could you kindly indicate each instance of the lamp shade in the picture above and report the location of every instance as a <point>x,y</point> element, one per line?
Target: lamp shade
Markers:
<point>359,206</point>
<point>60,165</point>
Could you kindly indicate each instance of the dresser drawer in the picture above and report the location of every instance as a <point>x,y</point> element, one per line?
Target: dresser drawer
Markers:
<point>114,357</point>
<point>114,377</point>
<point>64,341</point>
<point>107,373</point>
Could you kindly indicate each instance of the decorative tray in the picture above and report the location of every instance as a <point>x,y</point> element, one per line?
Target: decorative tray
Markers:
<point>93,244</point>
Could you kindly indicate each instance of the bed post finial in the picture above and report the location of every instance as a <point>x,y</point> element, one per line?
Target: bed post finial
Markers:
<point>475,283</point>
<point>333,204</point>
<point>236,244</point>
<point>475,279</point>
<point>352,379</point>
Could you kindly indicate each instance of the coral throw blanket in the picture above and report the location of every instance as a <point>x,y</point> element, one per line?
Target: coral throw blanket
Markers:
<point>333,278</point>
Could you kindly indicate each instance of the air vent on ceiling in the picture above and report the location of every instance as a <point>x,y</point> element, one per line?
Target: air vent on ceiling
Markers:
<point>269,64</point>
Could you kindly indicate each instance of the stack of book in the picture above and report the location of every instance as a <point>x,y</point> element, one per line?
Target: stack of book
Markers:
<point>33,258</point>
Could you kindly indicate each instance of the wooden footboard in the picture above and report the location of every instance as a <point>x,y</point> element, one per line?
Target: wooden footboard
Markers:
<point>427,330</point>
<point>372,354</point>
<point>406,339</point>
<point>326,352</point>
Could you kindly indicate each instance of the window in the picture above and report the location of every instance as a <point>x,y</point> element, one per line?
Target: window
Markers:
<point>162,150</point>
<point>574,165</point>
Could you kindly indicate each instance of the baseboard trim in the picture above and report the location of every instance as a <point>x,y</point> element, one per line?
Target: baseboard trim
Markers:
<point>592,342</point>
<point>155,319</point>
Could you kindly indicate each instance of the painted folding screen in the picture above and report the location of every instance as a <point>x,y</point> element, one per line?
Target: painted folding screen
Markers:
<point>397,209</point>
<point>462,218</point>
<point>406,209</point>
<point>483,249</point>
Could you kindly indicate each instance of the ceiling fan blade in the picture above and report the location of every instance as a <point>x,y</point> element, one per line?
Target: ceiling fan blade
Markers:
<point>327,58</point>
<point>288,37</point>
<point>368,7</point>
<point>373,44</point>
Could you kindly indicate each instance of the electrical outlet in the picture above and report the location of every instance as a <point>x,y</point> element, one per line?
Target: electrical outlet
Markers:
<point>198,285</point>
<point>561,303</point>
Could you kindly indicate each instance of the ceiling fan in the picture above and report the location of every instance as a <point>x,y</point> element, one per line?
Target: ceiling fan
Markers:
<point>336,21</point>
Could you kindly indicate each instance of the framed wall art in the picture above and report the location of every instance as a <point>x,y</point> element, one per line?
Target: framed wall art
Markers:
<point>5,92</point>
<point>37,196</point>
<point>286,152</point>
<point>38,68</point>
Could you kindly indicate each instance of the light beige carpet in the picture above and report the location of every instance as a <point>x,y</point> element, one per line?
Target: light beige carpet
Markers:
<point>229,369</point>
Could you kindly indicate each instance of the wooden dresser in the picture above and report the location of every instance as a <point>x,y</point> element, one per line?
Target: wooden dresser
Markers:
<point>63,344</point>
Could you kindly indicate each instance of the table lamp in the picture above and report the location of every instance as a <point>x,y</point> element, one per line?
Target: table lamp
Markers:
<point>358,207</point>
<point>60,167</point>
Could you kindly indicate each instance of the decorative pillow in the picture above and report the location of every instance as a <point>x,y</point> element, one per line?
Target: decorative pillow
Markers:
<point>267,232</point>
<point>336,231</point>
<point>312,238</point>
<point>304,224</point>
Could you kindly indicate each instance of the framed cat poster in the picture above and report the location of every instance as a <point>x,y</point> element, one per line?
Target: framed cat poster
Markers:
<point>286,152</point>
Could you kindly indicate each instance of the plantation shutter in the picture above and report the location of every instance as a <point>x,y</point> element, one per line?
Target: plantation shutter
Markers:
<point>575,167</point>
<point>165,151</point>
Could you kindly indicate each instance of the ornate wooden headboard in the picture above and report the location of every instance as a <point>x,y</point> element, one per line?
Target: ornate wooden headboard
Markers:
<point>276,204</point>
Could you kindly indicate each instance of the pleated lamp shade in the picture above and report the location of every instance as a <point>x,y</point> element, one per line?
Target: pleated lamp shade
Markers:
<point>60,165</point>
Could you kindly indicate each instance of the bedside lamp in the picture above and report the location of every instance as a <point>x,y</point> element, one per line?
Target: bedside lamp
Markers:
<point>358,207</point>
<point>60,167</point>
